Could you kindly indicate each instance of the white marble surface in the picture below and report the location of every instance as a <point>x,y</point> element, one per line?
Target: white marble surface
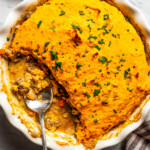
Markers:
<point>11,138</point>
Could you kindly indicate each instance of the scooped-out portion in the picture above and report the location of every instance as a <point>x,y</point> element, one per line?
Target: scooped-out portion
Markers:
<point>27,78</point>
<point>93,54</point>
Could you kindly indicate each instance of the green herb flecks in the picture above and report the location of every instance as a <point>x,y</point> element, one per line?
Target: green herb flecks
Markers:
<point>104,103</point>
<point>89,27</point>
<point>53,55</point>
<point>92,21</point>
<point>53,28</point>
<point>114,111</point>
<point>101,41</point>
<point>48,3</point>
<point>96,92</point>
<point>57,65</point>
<point>36,50</point>
<point>84,84</point>
<point>46,44</point>
<point>75,26</point>
<point>92,37</point>
<point>78,65</point>
<point>39,24</point>
<point>126,73</point>
<point>108,83</point>
<point>43,58</point>
<point>8,39</point>
<point>62,13</point>
<point>130,90</point>
<point>106,16</point>
<point>81,104</point>
<point>81,12</point>
<point>76,43</point>
<point>97,47</point>
<point>96,84</point>
<point>103,59</point>
<point>83,55</point>
<point>128,18</point>
<point>109,44</point>
<point>123,60</point>
<point>88,95</point>
<point>95,121</point>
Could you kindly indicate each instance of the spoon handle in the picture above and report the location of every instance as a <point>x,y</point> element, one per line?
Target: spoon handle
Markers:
<point>41,116</point>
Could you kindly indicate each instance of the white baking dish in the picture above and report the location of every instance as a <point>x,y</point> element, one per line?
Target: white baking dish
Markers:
<point>10,21</point>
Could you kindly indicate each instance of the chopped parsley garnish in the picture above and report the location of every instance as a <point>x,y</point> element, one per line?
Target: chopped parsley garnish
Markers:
<point>126,73</point>
<point>106,16</point>
<point>104,103</point>
<point>53,28</point>
<point>128,30</point>
<point>109,44</point>
<point>59,43</point>
<point>76,43</point>
<point>130,90</point>
<point>84,84</point>
<point>66,82</point>
<point>81,31</point>
<point>96,46</point>
<point>89,27</point>
<point>81,104</point>
<point>128,18</point>
<point>48,3</point>
<point>81,12</point>
<point>75,26</point>
<point>53,55</point>
<point>108,83</point>
<point>83,55</point>
<point>100,70</point>
<point>92,37</point>
<point>114,111</point>
<point>96,92</point>
<point>118,67</point>
<point>96,84</point>
<point>57,65</point>
<point>88,101</point>
<point>43,58</point>
<point>36,50</point>
<point>114,35</point>
<point>78,65</point>
<point>39,24</point>
<point>101,41</point>
<point>76,73</point>
<point>8,39</point>
<point>95,121</point>
<point>46,44</point>
<point>88,95</point>
<point>92,20</point>
<point>123,60</point>
<point>103,59</point>
<point>62,13</point>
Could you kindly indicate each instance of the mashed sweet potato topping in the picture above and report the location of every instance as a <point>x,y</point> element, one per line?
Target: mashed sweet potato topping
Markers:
<point>95,54</point>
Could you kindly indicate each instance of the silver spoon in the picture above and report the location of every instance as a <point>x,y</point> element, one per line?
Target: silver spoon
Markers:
<point>40,107</point>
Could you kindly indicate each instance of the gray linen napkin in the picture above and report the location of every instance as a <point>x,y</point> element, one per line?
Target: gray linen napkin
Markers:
<point>140,138</point>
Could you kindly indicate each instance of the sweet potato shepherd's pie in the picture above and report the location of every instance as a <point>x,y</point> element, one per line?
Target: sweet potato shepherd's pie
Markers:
<point>93,58</point>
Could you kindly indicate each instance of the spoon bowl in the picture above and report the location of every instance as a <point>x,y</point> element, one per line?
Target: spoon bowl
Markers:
<point>40,105</point>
